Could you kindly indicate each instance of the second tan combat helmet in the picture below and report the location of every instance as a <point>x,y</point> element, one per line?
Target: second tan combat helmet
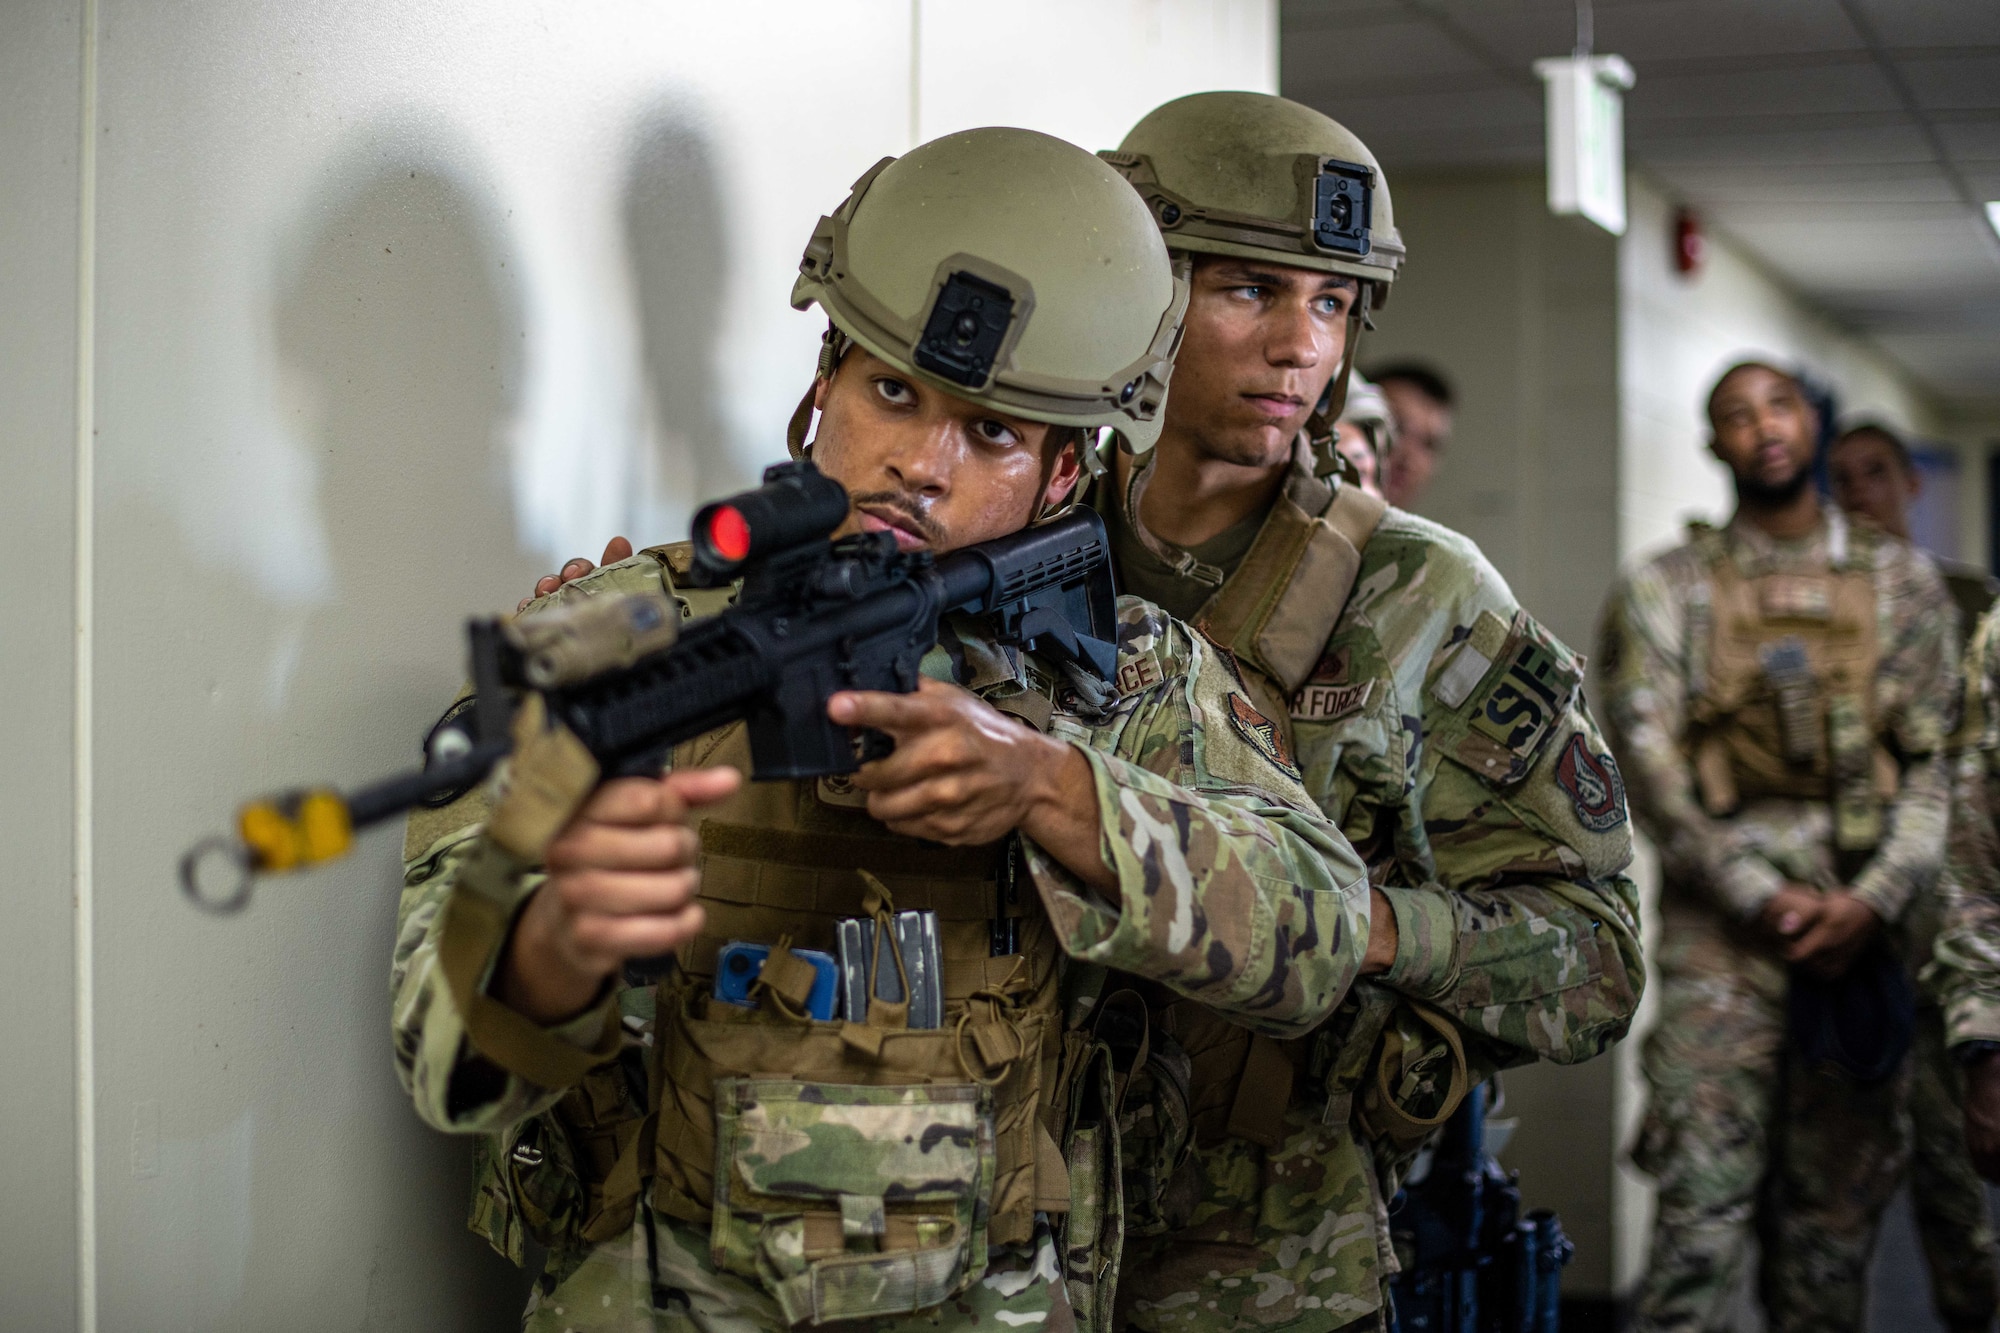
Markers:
<point>1260,177</point>
<point>1005,267</point>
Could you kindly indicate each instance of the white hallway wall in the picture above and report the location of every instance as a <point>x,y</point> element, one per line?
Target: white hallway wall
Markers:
<point>321,328</point>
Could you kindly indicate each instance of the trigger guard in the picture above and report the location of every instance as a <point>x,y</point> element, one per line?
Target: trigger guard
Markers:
<point>871,745</point>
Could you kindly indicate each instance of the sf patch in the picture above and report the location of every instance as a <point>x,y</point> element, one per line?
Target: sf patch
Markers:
<point>1262,733</point>
<point>1596,791</point>
<point>1520,703</point>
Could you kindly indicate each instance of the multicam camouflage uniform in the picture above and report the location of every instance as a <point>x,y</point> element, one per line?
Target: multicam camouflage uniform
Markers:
<point>1965,974</point>
<point>1737,1133</point>
<point>1962,982</point>
<point>1232,890</point>
<point>1954,1223</point>
<point>1444,731</point>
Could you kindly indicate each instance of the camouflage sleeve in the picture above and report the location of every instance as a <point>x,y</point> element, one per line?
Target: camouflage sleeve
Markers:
<point>1232,888</point>
<point>1526,929</point>
<point>1917,694</point>
<point>1642,648</point>
<point>1964,973</point>
<point>454,1088</point>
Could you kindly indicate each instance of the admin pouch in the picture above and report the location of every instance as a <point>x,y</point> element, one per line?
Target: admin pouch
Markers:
<point>851,1201</point>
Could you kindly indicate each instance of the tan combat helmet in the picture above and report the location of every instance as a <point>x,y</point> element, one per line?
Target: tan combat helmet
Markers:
<point>1260,177</point>
<point>1005,267</point>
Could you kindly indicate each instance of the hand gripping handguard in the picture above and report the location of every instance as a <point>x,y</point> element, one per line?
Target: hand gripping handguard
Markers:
<point>813,615</point>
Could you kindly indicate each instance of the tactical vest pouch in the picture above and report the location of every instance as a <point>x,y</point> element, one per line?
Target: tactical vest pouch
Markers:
<point>1094,1231</point>
<point>853,1201</point>
<point>1421,1076</point>
<point>1152,1083</point>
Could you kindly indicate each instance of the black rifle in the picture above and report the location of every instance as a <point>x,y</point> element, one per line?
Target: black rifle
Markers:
<point>1474,1264</point>
<point>813,616</point>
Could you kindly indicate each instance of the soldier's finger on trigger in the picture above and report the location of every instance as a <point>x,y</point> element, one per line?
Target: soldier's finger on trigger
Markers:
<point>918,757</point>
<point>897,714</point>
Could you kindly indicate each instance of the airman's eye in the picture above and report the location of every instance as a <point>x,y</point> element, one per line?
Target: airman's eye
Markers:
<point>894,391</point>
<point>995,432</point>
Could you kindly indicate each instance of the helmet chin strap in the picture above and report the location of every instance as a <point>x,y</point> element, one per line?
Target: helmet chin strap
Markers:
<point>1320,432</point>
<point>833,345</point>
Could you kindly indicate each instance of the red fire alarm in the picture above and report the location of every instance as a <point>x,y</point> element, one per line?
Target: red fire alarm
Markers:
<point>1690,246</point>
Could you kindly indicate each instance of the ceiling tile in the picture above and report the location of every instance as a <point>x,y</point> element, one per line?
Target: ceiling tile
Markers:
<point>1847,252</point>
<point>1958,366</point>
<point>1382,54</point>
<point>1845,88</point>
<point>1955,82</point>
<point>1676,29</point>
<point>1718,184</point>
<point>1743,145</point>
<point>1304,16</point>
<point>1983,177</point>
<point>1934,22</point>
<point>1969,140</point>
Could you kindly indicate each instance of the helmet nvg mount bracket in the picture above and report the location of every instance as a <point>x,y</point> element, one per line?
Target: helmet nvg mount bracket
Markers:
<point>1258,177</point>
<point>1004,267</point>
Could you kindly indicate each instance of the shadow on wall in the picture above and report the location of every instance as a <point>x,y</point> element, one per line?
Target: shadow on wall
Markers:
<point>404,326</point>
<point>680,262</point>
<point>277,1171</point>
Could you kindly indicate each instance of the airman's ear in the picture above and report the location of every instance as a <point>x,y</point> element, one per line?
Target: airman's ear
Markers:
<point>1063,477</point>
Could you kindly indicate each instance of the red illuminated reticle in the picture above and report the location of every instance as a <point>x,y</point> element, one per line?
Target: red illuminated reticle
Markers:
<point>728,533</point>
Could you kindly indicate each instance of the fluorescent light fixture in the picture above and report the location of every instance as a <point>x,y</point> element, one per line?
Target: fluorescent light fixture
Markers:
<point>1993,215</point>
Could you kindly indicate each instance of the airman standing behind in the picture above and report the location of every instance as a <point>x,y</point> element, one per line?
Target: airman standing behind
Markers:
<point>1430,716</point>
<point>1780,691</point>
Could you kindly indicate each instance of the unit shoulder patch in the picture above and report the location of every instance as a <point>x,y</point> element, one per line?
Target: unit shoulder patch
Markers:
<point>1596,789</point>
<point>1262,734</point>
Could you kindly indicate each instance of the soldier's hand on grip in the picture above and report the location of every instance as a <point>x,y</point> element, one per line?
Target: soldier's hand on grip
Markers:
<point>964,773</point>
<point>622,884</point>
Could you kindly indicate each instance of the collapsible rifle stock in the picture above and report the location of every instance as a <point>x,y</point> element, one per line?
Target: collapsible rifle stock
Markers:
<point>814,615</point>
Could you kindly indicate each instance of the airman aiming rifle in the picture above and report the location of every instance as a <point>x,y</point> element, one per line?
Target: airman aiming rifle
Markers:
<point>813,615</point>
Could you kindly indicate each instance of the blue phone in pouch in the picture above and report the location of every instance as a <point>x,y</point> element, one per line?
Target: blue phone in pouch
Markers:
<point>740,961</point>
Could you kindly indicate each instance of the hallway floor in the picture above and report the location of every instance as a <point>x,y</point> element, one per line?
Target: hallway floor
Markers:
<point>1900,1293</point>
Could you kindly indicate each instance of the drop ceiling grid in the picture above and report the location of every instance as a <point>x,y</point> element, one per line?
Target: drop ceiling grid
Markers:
<point>1776,119</point>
